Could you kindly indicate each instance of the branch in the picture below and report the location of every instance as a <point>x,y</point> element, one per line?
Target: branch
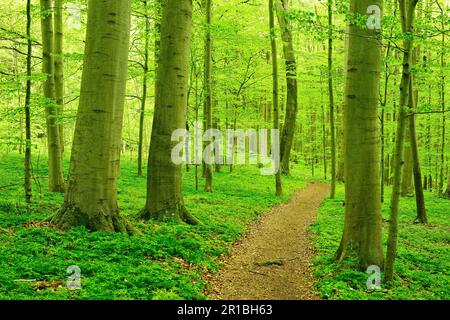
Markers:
<point>18,51</point>
<point>19,35</point>
<point>428,112</point>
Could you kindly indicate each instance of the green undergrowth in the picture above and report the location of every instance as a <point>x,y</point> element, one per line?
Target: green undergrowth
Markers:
<point>423,263</point>
<point>166,261</point>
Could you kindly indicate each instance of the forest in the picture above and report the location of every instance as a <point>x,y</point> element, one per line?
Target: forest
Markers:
<point>224,150</point>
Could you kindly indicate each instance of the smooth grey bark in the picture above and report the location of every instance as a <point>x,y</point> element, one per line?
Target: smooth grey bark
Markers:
<point>290,120</point>
<point>362,228</point>
<point>417,171</point>
<point>28,191</point>
<point>440,184</point>
<point>59,66</point>
<point>164,182</point>
<point>55,163</point>
<point>208,172</point>
<point>91,198</point>
<point>407,14</point>
<point>276,117</point>
<point>407,168</point>
<point>331,98</point>
<point>144,87</point>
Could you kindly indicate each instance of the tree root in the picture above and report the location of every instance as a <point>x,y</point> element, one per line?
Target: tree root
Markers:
<point>177,214</point>
<point>70,216</point>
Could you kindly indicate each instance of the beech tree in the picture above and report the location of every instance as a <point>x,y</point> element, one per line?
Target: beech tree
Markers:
<point>28,191</point>
<point>407,16</point>
<point>164,195</point>
<point>287,135</point>
<point>91,198</point>
<point>276,116</point>
<point>331,99</point>
<point>59,66</point>
<point>362,229</point>
<point>144,85</point>
<point>208,89</point>
<point>55,160</point>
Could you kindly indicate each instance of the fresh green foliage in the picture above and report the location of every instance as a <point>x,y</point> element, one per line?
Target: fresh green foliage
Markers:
<point>423,254</point>
<point>165,261</point>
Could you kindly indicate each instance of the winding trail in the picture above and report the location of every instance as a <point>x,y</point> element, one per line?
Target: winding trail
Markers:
<point>272,260</point>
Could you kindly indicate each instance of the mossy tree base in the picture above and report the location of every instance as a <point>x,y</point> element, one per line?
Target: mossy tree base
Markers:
<point>177,214</point>
<point>447,194</point>
<point>366,258</point>
<point>58,188</point>
<point>70,216</point>
<point>285,170</point>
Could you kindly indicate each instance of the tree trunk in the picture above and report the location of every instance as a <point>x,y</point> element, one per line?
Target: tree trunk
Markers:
<point>324,130</point>
<point>447,191</point>
<point>144,89</point>
<point>407,13</point>
<point>331,97</point>
<point>59,67</point>
<point>218,166</point>
<point>384,167</point>
<point>196,155</point>
<point>420,199</point>
<point>417,171</point>
<point>164,192</point>
<point>362,229</point>
<point>407,174</point>
<point>287,135</point>
<point>339,145</point>
<point>276,116</point>
<point>442,98</point>
<point>28,191</point>
<point>208,90</point>
<point>91,199</point>
<point>55,164</point>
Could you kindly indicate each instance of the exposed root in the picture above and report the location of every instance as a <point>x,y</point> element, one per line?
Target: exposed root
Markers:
<point>70,216</point>
<point>447,194</point>
<point>177,214</point>
<point>189,218</point>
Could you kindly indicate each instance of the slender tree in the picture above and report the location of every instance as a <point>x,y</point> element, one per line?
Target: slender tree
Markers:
<point>440,185</point>
<point>417,171</point>
<point>362,229</point>
<point>164,193</point>
<point>324,129</point>
<point>331,97</point>
<point>144,85</point>
<point>447,191</point>
<point>407,168</point>
<point>28,192</point>
<point>276,117</point>
<point>208,89</point>
<point>91,198</point>
<point>407,14</point>
<point>290,120</point>
<point>384,98</point>
<point>55,163</point>
<point>59,66</point>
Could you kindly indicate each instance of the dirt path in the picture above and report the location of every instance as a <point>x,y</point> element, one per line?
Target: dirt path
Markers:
<point>272,260</point>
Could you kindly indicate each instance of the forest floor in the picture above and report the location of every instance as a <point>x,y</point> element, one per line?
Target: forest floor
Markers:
<point>422,265</point>
<point>166,261</point>
<point>177,261</point>
<point>272,261</point>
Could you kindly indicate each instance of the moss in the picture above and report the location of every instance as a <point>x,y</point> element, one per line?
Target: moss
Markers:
<point>161,260</point>
<point>177,214</point>
<point>423,255</point>
<point>70,216</point>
